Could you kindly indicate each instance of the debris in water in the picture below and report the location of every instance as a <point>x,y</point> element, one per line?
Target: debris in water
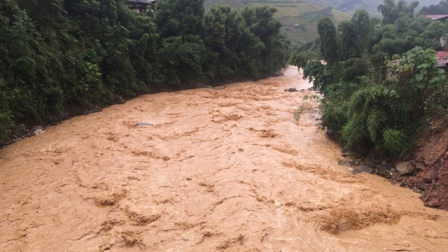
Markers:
<point>143,124</point>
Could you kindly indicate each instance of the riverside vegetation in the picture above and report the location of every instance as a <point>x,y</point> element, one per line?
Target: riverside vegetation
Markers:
<point>60,57</point>
<point>372,104</point>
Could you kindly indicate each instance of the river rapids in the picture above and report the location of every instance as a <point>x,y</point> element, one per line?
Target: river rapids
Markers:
<point>242,167</point>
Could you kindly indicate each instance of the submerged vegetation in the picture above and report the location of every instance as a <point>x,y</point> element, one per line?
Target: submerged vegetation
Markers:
<point>373,104</point>
<point>59,56</point>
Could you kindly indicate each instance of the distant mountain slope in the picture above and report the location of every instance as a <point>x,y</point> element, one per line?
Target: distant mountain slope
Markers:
<point>299,19</point>
<point>238,4</point>
<point>346,6</point>
<point>350,6</point>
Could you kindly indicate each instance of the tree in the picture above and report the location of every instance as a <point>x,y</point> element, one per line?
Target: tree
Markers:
<point>363,28</point>
<point>60,57</point>
<point>262,23</point>
<point>418,77</point>
<point>441,8</point>
<point>401,36</point>
<point>391,11</point>
<point>224,31</point>
<point>350,40</point>
<point>368,106</point>
<point>179,17</point>
<point>328,42</point>
<point>430,37</point>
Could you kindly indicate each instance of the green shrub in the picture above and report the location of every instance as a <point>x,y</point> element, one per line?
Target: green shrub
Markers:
<point>6,124</point>
<point>355,134</point>
<point>334,115</point>
<point>395,142</point>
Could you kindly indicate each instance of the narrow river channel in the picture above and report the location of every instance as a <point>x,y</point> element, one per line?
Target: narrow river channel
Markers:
<point>212,169</point>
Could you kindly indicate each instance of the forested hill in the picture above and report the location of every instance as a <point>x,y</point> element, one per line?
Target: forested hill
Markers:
<point>298,18</point>
<point>59,56</point>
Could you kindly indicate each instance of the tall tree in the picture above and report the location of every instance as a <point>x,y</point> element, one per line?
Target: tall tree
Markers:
<point>328,41</point>
<point>179,17</point>
<point>224,31</point>
<point>354,35</point>
<point>262,23</point>
<point>392,11</point>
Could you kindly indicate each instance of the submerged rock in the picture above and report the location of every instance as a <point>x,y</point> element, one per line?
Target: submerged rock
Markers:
<point>291,90</point>
<point>362,168</point>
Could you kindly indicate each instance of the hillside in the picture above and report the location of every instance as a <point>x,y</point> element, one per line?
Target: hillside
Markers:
<point>346,6</point>
<point>299,19</point>
<point>350,6</point>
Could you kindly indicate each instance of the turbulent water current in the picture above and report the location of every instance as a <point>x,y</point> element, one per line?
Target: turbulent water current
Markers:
<point>211,169</point>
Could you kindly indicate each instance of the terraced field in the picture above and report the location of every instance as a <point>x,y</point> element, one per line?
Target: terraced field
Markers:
<point>299,19</point>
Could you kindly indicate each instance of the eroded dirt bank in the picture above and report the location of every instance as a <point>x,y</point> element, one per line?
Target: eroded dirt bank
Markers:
<point>218,169</point>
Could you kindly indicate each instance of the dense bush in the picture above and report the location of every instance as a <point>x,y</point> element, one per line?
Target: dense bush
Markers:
<point>371,103</point>
<point>60,56</point>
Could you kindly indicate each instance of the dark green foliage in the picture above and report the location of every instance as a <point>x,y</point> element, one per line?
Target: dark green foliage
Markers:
<point>405,34</point>
<point>317,73</point>
<point>179,17</point>
<point>404,30</point>
<point>391,11</point>
<point>305,52</point>
<point>6,121</point>
<point>354,35</point>
<point>441,8</point>
<point>59,57</point>
<point>350,46</point>
<point>416,69</point>
<point>300,59</point>
<point>272,45</point>
<point>372,105</point>
<point>328,41</point>
<point>430,37</point>
<point>183,59</point>
<point>395,141</point>
<point>236,49</point>
<point>334,115</point>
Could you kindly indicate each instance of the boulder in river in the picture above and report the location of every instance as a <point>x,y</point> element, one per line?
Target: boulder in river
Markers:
<point>362,168</point>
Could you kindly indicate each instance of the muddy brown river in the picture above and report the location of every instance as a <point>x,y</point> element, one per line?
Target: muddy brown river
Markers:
<point>225,169</point>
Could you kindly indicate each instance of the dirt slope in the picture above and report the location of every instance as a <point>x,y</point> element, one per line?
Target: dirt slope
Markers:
<point>218,169</point>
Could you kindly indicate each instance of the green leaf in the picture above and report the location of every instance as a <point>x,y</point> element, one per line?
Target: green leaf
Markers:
<point>419,77</point>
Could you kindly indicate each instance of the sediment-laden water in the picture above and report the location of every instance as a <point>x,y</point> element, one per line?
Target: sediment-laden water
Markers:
<point>204,170</point>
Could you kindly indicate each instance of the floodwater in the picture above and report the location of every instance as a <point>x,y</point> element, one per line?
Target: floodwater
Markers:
<point>225,169</point>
